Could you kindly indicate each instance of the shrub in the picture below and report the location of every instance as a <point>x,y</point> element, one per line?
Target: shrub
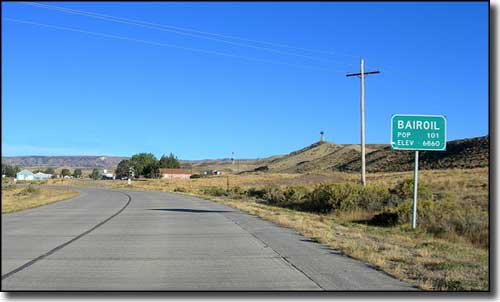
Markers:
<point>236,191</point>
<point>446,218</point>
<point>295,194</point>
<point>375,198</point>
<point>318,200</point>
<point>27,191</point>
<point>257,193</point>
<point>385,219</point>
<point>472,222</point>
<point>326,198</point>
<point>180,189</point>
<point>274,195</point>
<point>196,176</point>
<point>404,190</point>
<point>347,197</point>
<point>425,208</point>
<point>214,191</point>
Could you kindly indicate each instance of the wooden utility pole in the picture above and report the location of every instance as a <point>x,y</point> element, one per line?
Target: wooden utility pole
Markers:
<point>362,76</point>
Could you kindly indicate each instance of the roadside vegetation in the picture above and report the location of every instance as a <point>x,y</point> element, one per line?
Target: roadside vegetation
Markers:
<point>448,251</point>
<point>18,198</point>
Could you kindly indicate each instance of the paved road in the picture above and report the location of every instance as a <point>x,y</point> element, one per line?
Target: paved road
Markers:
<point>135,240</point>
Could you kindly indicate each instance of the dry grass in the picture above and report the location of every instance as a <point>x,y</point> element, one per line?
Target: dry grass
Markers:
<point>244,181</point>
<point>16,198</point>
<point>467,185</point>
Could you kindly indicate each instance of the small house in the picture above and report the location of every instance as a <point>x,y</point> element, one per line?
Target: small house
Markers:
<point>41,176</point>
<point>175,173</point>
<point>25,175</point>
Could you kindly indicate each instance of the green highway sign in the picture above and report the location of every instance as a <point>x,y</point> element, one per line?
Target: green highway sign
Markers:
<point>418,132</point>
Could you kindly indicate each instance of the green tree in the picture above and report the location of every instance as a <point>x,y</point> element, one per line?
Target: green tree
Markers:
<point>77,173</point>
<point>145,164</point>
<point>65,172</point>
<point>49,170</point>
<point>11,171</point>
<point>123,168</point>
<point>95,174</point>
<point>169,162</point>
<point>152,170</point>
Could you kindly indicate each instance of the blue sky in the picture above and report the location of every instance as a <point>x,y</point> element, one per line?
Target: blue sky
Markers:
<point>74,93</point>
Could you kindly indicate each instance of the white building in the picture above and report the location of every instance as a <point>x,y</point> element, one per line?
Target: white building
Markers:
<point>41,176</point>
<point>25,175</point>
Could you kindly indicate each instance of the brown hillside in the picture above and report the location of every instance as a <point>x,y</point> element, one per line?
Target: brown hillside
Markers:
<point>320,156</point>
<point>465,153</point>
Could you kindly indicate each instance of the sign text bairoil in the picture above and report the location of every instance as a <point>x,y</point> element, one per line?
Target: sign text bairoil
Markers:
<point>418,132</point>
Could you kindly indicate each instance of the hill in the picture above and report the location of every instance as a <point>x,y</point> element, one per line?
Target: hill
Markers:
<point>63,161</point>
<point>326,156</point>
<point>320,156</point>
<point>464,153</point>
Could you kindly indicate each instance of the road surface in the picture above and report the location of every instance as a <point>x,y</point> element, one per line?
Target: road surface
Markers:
<point>137,240</point>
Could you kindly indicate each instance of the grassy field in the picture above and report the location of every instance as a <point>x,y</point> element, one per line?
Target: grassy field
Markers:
<point>449,250</point>
<point>17,198</point>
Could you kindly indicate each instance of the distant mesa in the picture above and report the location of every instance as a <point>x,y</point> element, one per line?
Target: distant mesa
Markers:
<point>64,161</point>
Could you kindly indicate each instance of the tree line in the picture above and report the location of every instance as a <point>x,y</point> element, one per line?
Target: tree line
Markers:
<point>146,165</point>
<point>142,164</point>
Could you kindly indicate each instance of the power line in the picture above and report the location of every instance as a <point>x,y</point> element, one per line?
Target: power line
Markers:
<point>185,31</point>
<point>170,45</point>
<point>167,29</point>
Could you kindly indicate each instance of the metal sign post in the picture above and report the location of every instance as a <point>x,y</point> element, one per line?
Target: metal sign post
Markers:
<point>418,132</point>
<point>415,192</point>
